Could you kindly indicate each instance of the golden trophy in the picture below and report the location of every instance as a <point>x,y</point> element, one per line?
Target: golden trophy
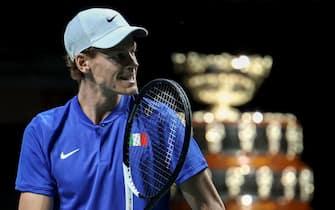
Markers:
<point>253,156</point>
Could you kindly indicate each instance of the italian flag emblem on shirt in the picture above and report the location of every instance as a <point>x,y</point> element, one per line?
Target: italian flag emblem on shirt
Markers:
<point>139,139</point>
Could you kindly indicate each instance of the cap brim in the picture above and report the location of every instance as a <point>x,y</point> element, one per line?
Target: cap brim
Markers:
<point>116,36</point>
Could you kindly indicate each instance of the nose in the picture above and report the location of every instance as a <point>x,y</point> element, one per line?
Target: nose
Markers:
<point>128,59</point>
<point>133,59</point>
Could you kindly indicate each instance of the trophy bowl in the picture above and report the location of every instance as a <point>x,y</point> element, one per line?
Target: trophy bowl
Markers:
<point>222,81</point>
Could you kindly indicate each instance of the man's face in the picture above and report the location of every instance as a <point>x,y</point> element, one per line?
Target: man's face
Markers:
<point>115,69</point>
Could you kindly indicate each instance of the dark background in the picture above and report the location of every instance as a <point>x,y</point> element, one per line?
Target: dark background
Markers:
<point>33,76</point>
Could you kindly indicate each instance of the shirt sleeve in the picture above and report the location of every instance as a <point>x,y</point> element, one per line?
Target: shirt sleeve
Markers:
<point>195,162</point>
<point>33,174</point>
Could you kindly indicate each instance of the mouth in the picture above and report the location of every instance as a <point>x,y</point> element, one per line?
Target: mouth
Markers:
<point>126,77</point>
<point>129,77</point>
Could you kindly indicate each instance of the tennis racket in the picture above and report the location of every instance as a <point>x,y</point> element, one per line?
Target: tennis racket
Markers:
<point>156,141</point>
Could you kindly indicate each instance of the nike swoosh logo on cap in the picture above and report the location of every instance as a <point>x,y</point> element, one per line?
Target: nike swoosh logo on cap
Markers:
<point>66,155</point>
<point>110,19</point>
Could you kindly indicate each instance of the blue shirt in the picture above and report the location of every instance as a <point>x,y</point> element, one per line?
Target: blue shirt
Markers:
<point>64,154</point>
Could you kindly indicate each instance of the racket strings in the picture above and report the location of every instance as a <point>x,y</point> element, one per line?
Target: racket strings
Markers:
<point>177,105</point>
<point>173,103</point>
<point>161,112</point>
<point>158,145</point>
<point>160,128</point>
<point>169,98</point>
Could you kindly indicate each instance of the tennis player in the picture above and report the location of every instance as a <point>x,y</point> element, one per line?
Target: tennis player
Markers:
<point>71,155</point>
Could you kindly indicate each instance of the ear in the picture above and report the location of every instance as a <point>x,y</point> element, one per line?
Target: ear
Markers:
<point>81,61</point>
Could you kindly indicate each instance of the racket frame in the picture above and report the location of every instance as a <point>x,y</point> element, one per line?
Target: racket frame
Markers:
<point>188,131</point>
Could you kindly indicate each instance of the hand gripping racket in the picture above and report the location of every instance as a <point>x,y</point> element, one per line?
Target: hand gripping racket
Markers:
<point>156,140</point>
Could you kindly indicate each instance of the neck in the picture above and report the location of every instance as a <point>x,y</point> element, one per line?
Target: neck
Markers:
<point>96,105</point>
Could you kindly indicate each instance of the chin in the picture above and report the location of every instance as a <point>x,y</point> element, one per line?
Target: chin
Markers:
<point>133,88</point>
<point>131,91</point>
<point>125,87</point>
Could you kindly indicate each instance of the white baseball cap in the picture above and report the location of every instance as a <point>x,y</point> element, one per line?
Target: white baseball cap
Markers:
<point>97,27</point>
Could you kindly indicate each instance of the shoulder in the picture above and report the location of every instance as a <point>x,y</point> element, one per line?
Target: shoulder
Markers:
<point>38,135</point>
<point>48,120</point>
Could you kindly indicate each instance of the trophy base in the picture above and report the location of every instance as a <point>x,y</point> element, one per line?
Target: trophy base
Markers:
<point>181,204</point>
<point>254,161</point>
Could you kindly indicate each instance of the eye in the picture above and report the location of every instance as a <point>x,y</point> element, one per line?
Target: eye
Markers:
<point>122,55</point>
